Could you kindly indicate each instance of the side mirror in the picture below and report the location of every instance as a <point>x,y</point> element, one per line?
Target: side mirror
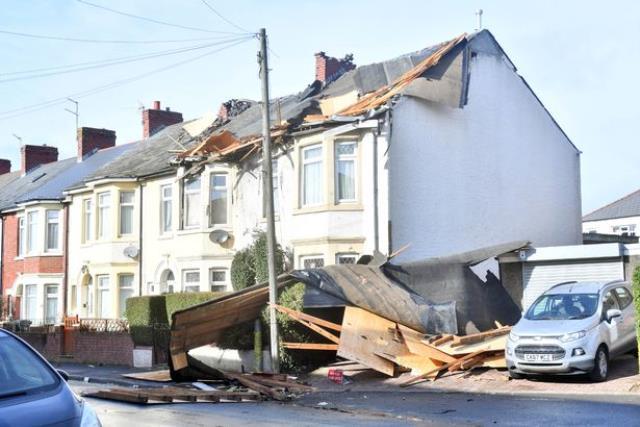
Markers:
<point>63,374</point>
<point>613,313</point>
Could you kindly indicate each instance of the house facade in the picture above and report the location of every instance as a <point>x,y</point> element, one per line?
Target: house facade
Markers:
<point>621,217</point>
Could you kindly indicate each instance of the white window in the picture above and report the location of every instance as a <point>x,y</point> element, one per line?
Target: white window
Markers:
<point>218,204</point>
<point>126,212</point>
<point>53,230</point>
<point>625,230</point>
<point>312,183</point>
<point>166,206</point>
<point>32,231</point>
<point>21,236</point>
<point>88,220</point>
<point>191,280</point>
<point>312,261</point>
<point>125,287</point>
<point>104,205</point>
<point>51,304</point>
<point>345,171</point>
<point>30,302</point>
<point>191,202</point>
<point>346,258</point>
<point>104,297</point>
<point>218,279</point>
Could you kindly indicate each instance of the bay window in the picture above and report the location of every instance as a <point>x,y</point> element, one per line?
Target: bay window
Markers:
<point>104,202</point>
<point>126,212</point>
<point>32,231</point>
<point>51,304</point>
<point>345,171</point>
<point>21,236</point>
<point>88,220</point>
<point>30,302</point>
<point>191,202</point>
<point>125,288</point>
<point>218,279</point>
<point>166,206</point>
<point>218,199</point>
<point>190,280</point>
<point>53,230</point>
<point>312,174</point>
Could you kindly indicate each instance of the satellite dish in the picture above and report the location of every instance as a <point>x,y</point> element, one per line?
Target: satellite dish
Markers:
<point>219,236</point>
<point>131,251</point>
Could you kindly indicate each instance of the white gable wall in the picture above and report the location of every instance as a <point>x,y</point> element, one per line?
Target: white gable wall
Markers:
<point>497,170</point>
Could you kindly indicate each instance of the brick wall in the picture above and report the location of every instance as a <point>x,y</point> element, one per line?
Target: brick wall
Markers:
<point>35,155</point>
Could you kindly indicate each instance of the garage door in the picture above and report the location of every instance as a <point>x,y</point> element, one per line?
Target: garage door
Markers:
<point>539,277</point>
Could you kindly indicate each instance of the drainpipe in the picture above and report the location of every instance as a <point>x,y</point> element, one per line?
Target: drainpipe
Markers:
<point>376,219</point>
<point>65,254</point>
<point>140,243</point>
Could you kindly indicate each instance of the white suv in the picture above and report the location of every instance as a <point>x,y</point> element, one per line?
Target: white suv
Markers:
<point>573,328</point>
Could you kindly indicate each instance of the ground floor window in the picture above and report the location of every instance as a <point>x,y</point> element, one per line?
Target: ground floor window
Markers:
<point>218,279</point>
<point>30,302</point>
<point>51,304</point>
<point>311,261</point>
<point>346,258</point>
<point>125,287</point>
<point>104,297</point>
<point>191,280</point>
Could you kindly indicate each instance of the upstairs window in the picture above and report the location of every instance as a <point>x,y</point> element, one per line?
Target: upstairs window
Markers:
<point>104,206</point>
<point>126,212</point>
<point>166,207</point>
<point>32,231</point>
<point>312,182</point>
<point>88,220</point>
<point>345,171</point>
<point>218,204</point>
<point>21,236</point>
<point>53,230</point>
<point>191,202</point>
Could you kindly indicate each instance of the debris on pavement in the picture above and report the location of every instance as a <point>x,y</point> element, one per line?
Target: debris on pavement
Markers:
<point>157,376</point>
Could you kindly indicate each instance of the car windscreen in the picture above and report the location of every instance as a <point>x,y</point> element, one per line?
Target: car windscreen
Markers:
<point>563,307</point>
<point>21,371</point>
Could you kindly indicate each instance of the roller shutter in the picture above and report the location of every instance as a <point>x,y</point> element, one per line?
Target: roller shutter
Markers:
<point>539,277</point>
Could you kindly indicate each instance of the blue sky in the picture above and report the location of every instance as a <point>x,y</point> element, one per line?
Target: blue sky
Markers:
<point>580,57</point>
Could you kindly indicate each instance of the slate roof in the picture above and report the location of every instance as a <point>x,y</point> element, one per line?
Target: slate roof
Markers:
<point>627,206</point>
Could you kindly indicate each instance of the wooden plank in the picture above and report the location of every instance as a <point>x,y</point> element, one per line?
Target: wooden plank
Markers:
<point>419,365</point>
<point>328,335</point>
<point>291,385</point>
<point>457,362</point>
<point>474,338</point>
<point>254,385</point>
<point>444,339</point>
<point>309,318</point>
<point>116,395</point>
<point>158,376</point>
<point>417,346</point>
<point>364,334</point>
<point>179,360</point>
<point>489,344</point>
<point>310,346</point>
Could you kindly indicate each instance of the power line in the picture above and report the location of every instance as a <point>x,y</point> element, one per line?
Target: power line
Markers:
<point>155,21</point>
<point>223,18</point>
<point>72,68</point>
<point>82,40</point>
<point>8,114</point>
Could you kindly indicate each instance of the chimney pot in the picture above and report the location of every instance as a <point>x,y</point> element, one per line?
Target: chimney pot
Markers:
<point>93,139</point>
<point>33,156</point>
<point>5,166</point>
<point>156,105</point>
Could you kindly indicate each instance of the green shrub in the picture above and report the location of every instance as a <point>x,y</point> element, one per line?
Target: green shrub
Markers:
<point>635,286</point>
<point>243,272</point>
<point>261,266</point>
<point>143,313</point>
<point>179,301</point>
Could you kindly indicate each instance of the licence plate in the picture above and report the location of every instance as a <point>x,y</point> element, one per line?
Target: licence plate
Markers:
<point>529,357</point>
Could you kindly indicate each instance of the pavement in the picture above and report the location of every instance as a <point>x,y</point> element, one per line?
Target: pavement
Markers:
<point>106,374</point>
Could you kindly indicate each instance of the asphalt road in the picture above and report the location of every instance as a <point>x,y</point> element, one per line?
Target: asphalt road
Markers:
<point>380,409</point>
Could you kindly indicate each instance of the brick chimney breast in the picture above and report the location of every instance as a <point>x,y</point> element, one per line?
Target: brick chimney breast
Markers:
<point>33,156</point>
<point>5,166</point>
<point>93,139</point>
<point>155,119</point>
<point>329,68</point>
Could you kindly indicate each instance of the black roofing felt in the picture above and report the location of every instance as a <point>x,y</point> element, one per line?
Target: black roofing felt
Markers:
<point>627,206</point>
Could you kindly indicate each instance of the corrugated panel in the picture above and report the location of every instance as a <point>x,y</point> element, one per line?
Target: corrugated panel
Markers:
<point>538,277</point>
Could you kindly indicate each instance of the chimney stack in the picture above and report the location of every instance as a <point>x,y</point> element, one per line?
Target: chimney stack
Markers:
<point>154,119</point>
<point>33,156</point>
<point>5,166</point>
<point>91,140</point>
<point>329,68</point>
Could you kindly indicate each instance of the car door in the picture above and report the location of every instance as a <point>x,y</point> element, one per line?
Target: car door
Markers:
<point>627,323</point>
<point>612,328</point>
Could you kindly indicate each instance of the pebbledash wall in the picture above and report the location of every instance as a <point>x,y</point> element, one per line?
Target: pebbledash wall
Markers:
<point>109,348</point>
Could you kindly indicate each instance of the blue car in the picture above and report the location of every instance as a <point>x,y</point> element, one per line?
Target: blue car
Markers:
<point>33,393</point>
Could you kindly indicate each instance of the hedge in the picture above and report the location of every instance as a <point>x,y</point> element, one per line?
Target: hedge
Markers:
<point>635,286</point>
<point>175,302</point>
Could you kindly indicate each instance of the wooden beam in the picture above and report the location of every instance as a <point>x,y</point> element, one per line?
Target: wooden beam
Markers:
<point>304,316</point>
<point>310,346</point>
<point>457,362</point>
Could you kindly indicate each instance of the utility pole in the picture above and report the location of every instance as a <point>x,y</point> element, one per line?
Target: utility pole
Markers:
<point>267,180</point>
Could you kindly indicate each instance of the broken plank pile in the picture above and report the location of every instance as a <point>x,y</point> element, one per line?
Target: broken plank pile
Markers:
<point>390,348</point>
<point>255,387</point>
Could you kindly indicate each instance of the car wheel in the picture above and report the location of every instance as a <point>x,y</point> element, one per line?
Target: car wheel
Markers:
<point>600,366</point>
<point>516,375</point>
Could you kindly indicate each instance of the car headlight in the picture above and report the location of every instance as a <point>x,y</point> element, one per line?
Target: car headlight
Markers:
<point>573,336</point>
<point>89,417</point>
<point>513,337</point>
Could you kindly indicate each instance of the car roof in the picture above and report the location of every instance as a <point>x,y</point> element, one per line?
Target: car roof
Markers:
<point>581,287</point>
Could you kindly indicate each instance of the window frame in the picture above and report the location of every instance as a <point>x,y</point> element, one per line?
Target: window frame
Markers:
<point>213,188</point>
<point>303,163</point>
<point>47,316</point>
<point>217,283</point>
<point>337,158</point>
<point>185,207</point>
<point>304,258</point>
<point>32,245</point>
<point>100,287</point>
<point>130,208</point>
<point>185,284</point>
<point>22,235</point>
<point>104,215</point>
<point>352,255</point>
<point>88,229</point>
<point>163,200</point>
<point>47,222</point>
<point>126,288</point>
<point>623,302</point>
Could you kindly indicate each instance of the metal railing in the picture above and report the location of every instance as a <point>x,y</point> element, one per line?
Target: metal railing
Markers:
<point>103,325</point>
